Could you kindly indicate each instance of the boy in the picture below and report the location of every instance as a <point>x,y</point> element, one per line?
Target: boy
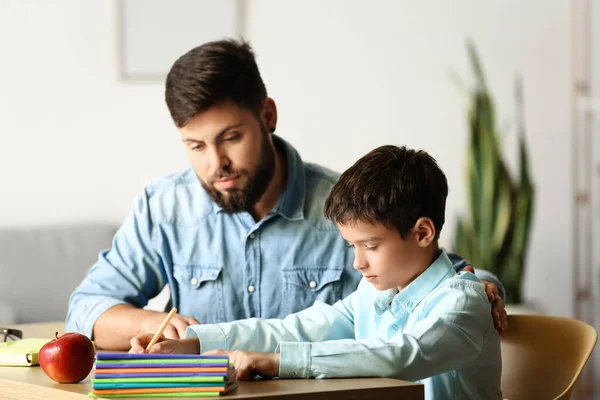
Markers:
<point>412,317</point>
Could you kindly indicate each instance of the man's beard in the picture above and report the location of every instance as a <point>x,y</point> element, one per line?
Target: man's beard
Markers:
<point>242,199</point>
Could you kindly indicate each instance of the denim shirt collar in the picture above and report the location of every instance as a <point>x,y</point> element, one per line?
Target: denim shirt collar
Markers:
<point>409,297</point>
<point>291,202</point>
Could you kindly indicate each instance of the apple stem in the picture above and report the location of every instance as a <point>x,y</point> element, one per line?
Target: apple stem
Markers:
<point>56,334</point>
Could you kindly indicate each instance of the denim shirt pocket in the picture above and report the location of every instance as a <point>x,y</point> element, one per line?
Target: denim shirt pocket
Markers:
<point>303,286</point>
<point>200,292</point>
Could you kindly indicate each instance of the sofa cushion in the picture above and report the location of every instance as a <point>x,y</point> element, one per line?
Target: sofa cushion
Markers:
<point>40,267</point>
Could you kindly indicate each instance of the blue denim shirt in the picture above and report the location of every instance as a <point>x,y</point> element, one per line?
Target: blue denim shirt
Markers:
<point>438,331</point>
<point>219,266</point>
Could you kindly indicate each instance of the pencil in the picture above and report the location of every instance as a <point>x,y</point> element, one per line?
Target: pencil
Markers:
<point>162,328</point>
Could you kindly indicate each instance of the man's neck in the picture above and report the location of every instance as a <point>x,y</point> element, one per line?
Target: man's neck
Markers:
<point>274,190</point>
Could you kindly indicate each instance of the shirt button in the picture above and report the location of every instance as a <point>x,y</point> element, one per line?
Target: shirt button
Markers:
<point>194,281</point>
<point>251,289</point>
<point>252,236</point>
<point>312,284</point>
<point>395,327</point>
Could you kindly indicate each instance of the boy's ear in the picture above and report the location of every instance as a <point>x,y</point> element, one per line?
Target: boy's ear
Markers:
<point>425,231</point>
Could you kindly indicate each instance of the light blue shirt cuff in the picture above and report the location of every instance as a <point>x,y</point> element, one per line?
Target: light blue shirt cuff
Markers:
<point>211,337</point>
<point>294,360</point>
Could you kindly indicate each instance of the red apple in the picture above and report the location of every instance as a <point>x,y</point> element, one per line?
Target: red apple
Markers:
<point>68,358</point>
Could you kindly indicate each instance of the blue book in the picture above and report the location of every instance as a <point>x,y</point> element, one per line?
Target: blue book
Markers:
<point>129,356</point>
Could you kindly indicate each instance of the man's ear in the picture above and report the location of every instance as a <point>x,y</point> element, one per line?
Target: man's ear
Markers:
<point>425,231</point>
<point>268,114</point>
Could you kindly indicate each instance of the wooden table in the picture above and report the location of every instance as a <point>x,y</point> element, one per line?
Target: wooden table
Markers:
<point>30,383</point>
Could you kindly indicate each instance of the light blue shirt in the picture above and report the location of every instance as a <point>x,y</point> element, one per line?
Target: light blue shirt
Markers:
<point>437,331</point>
<point>223,267</point>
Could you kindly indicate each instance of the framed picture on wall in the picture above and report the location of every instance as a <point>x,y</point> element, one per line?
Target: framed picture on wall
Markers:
<point>154,33</point>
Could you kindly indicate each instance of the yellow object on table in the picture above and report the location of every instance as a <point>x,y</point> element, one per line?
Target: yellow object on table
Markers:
<point>22,352</point>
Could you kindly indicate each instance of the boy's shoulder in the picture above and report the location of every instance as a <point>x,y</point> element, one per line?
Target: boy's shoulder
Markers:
<point>461,291</point>
<point>464,280</point>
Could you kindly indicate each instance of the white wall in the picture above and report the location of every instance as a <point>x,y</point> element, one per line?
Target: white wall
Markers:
<point>77,143</point>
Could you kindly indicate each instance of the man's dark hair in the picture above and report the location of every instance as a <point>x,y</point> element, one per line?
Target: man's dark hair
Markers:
<point>210,74</point>
<point>391,185</point>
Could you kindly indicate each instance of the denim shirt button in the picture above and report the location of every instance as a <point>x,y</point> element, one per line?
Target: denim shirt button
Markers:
<point>251,289</point>
<point>312,284</point>
<point>194,281</point>
<point>252,236</point>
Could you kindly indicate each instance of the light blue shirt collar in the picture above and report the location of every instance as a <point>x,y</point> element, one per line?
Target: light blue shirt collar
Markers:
<point>412,294</point>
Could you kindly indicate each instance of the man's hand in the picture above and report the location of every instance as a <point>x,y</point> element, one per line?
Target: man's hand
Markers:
<point>117,325</point>
<point>498,307</point>
<point>249,364</point>
<point>175,329</point>
<point>164,346</point>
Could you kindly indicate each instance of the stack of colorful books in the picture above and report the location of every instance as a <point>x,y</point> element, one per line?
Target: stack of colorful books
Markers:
<point>161,375</point>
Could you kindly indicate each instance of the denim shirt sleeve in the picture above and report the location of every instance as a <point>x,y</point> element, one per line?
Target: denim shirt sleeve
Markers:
<point>450,334</point>
<point>459,263</point>
<point>129,273</point>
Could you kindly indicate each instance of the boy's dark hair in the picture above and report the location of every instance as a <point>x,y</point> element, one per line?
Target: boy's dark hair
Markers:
<point>391,185</point>
<point>210,74</point>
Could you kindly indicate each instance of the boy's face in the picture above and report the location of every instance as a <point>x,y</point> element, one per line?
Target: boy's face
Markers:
<point>382,256</point>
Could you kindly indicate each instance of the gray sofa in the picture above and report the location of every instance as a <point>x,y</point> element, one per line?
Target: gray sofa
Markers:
<point>40,267</point>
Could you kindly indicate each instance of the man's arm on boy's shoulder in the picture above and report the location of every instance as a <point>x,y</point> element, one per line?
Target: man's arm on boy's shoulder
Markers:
<point>493,288</point>
<point>460,263</point>
<point>317,323</point>
<point>106,306</point>
<point>451,335</point>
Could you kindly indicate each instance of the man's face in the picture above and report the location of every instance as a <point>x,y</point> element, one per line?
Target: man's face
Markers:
<point>381,255</point>
<point>232,154</point>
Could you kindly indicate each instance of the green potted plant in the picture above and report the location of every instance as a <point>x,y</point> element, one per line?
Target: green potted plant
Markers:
<point>494,234</point>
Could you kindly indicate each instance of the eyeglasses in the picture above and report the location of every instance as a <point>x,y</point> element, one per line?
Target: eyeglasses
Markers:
<point>11,334</point>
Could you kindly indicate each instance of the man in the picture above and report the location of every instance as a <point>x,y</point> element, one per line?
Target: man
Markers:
<point>239,235</point>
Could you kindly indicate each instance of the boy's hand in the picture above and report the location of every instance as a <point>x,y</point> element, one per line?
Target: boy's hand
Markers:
<point>164,346</point>
<point>248,364</point>
<point>498,306</point>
